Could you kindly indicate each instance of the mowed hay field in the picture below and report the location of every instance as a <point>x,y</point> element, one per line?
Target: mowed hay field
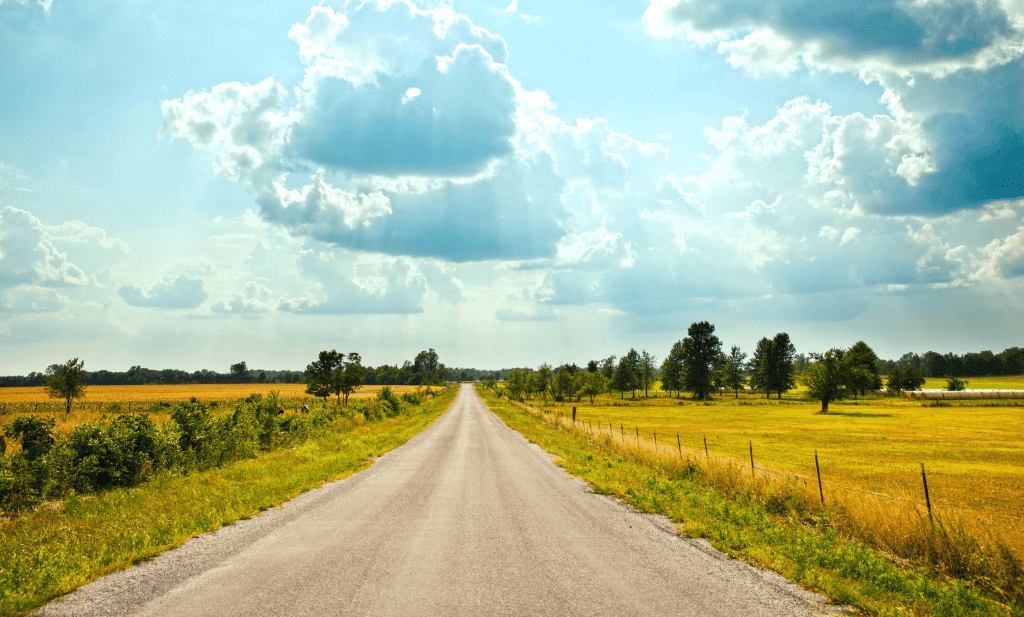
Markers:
<point>158,401</point>
<point>973,452</point>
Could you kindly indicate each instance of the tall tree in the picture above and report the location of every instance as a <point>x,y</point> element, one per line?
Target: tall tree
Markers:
<point>902,378</point>
<point>633,359</point>
<point>240,373</point>
<point>543,379</point>
<point>863,369</point>
<point>672,372</point>
<point>608,370</point>
<point>647,370</point>
<point>593,384</point>
<point>781,371</point>
<point>825,378</point>
<point>734,377</point>
<point>759,366</point>
<point>702,347</point>
<point>66,381</point>
<point>624,378</point>
<point>351,375</point>
<point>323,375</point>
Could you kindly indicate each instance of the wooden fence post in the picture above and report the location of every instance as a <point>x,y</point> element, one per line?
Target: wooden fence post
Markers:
<point>818,469</point>
<point>679,445</point>
<point>751,458</point>
<point>574,415</point>
<point>638,435</point>
<point>706,455</point>
<point>655,440</point>
<point>927,499</point>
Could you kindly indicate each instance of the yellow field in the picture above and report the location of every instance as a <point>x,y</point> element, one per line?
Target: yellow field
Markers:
<point>973,453</point>
<point>208,392</point>
<point>158,401</point>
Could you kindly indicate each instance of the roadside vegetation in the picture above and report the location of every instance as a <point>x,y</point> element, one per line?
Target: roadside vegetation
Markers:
<point>116,492</point>
<point>859,552</point>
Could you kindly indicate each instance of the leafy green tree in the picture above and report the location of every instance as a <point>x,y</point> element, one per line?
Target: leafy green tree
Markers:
<point>647,370</point>
<point>323,376</point>
<point>672,371</point>
<point>759,369</point>
<point>593,384</point>
<point>240,373</point>
<point>719,370</point>
<point>544,378</point>
<point>632,358</point>
<point>593,366</point>
<point>66,381</point>
<point>734,377</point>
<point>702,347</point>
<point>351,376</point>
<point>608,370</point>
<point>825,378</point>
<point>863,369</point>
<point>515,384</point>
<point>624,378</point>
<point>904,378</point>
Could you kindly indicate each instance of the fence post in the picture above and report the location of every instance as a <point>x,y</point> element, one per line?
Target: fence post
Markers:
<point>751,458</point>
<point>655,440</point>
<point>679,445</point>
<point>590,427</point>
<point>574,415</point>
<point>638,435</point>
<point>927,499</point>
<point>706,455</point>
<point>818,469</point>
<point>622,431</point>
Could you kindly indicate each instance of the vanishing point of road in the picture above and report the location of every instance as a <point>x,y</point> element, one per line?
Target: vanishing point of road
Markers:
<point>467,518</point>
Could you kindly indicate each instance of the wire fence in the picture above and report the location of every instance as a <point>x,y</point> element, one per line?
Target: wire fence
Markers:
<point>993,504</point>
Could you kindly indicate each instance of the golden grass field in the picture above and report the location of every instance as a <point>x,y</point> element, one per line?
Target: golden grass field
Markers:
<point>157,401</point>
<point>973,453</point>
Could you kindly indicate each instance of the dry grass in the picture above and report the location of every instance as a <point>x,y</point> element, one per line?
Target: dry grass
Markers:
<point>870,451</point>
<point>897,523</point>
<point>158,401</point>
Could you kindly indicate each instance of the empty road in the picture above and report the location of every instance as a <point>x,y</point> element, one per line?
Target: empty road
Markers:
<point>467,518</point>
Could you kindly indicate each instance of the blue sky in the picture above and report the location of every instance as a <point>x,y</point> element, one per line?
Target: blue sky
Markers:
<point>190,186</point>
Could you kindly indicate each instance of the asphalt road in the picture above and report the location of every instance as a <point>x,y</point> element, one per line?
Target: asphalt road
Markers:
<point>467,518</point>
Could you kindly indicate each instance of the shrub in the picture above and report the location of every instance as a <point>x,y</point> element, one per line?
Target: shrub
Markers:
<point>955,384</point>
<point>387,398</point>
<point>412,398</point>
<point>35,434</point>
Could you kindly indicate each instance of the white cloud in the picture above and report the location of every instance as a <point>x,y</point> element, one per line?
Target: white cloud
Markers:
<point>1003,258</point>
<point>31,299</point>
<point>180,292</point>
<point>28,254</point>
<point>46,4</point>
<point>383,287</point>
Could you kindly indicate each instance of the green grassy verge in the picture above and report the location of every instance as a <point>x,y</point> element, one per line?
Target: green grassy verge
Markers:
<point>59,547</point>
<point>745,525</point>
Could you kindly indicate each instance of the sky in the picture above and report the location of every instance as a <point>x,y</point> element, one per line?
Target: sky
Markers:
<point>190,185</point>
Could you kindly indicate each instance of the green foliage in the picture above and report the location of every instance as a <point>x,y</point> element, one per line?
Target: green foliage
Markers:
<point>826,377</point>
<point>624,377</point>
<point>392,405</point>
<point>702,348</point>
<point>673,372</point>
<point>128,449</point>
<point>904,378</point>
<point>734,370</point>
<point>772,368</point>
<point>66,381</point>
<point>955,384</point>
<point>35,435</point>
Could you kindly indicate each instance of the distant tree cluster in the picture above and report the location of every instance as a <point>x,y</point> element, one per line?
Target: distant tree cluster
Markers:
<point>1010,361</point>
<point>139,376</point>
<point>424,370</point>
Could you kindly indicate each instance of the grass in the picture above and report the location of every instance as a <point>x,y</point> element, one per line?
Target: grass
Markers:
<point>767,520</point>
<point>61,546</point>
<point>971,450</point>
<point>997,382</point>
<point>158,401</point>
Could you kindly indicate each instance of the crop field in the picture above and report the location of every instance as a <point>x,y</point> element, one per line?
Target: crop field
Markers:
<point>972,451</point>
<point>157,401</point>
<point>998,382</point>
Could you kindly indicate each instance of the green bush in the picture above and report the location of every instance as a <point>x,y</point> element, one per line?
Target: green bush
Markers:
<point>387,398</point>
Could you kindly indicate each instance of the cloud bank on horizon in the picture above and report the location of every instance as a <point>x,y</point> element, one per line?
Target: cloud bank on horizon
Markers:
<point>408,171</point>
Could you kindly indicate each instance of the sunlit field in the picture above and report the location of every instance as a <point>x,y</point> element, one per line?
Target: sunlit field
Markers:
<point>972,451</point>
<point>157,401</point>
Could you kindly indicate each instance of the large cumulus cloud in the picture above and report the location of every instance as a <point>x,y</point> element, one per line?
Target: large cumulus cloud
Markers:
<point>392,97</point>
<point>951,73</point>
